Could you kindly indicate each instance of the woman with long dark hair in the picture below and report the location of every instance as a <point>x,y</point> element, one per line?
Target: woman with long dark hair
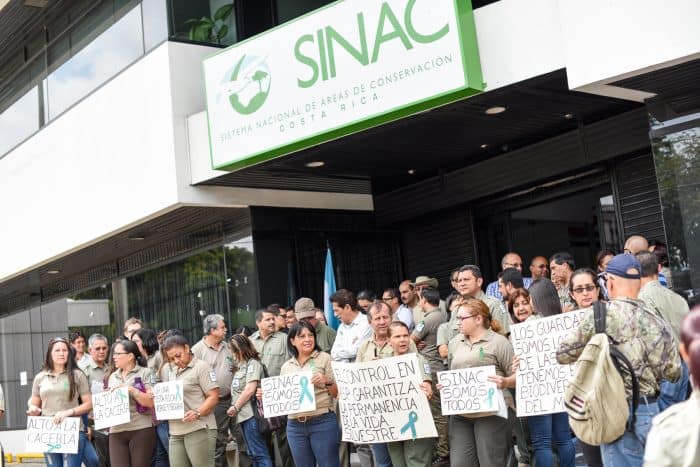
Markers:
<point>55,393</point>
<point>551,429</point>
<point>132,443</point>
<point>246,378</point>
<point>674,439</point>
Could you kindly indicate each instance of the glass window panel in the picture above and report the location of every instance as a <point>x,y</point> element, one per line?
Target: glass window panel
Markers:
<point>677,159</point>
<point>19,121</point>
<point>290,9</point>
<point>224,29</point>
<point>108,54</point>
<point>155,22</point>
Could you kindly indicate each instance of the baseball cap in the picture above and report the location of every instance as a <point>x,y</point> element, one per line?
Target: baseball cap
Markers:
<point>304,308</point>
<point>624,265</point>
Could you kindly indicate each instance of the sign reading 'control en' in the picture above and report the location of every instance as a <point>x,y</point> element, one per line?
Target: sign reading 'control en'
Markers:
<point>343,68</point>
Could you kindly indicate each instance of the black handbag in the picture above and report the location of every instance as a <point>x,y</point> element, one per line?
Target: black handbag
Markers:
<point>266,426</point>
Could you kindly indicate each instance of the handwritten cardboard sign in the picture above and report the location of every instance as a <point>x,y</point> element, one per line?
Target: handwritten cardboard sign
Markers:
<point>381,401</point>
<point>468,391</point>
<point>43,435</point>
<point>288,394</point>
<point>168,400</point>
<point>540,380</point>
<point>111,408</point>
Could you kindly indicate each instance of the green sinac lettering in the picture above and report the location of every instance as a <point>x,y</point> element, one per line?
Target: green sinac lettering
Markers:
<point>306,60</point>
<point>362,55</point>
<point>387,14</point>
<point>415,35</point>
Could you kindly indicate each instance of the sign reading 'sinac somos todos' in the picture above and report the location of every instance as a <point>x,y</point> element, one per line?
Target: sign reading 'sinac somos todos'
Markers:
<point>346,67</point>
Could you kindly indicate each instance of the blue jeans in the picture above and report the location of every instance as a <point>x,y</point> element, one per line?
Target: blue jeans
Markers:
<point>160,454</point>
<point>85,450</point>
<point>315,441</point>
<point>546,430</point>
<point>673,393</point>
<point>255,443</point>
<point>381,455</point>
<point>629,449</point>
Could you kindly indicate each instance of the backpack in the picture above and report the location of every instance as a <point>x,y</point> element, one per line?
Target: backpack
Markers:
<point>595,399</point>
<point>266,425</point>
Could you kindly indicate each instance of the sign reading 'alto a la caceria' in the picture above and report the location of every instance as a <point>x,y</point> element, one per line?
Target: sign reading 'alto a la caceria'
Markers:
<point>349,66</point>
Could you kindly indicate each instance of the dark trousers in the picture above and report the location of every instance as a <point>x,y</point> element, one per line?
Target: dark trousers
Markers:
<point>101,442</point>
<point>223,421</point>
<point>132,448</point>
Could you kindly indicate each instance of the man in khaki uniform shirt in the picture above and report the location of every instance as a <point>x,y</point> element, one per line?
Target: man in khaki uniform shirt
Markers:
<point>304,309</point>
<point>426,333</point>
<point>469,282</point>
<point>272,347</point>
<point>213,350</point>
<point>95,370</point>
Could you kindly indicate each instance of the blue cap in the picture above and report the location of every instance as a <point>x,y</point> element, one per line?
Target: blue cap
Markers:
<point>624,265</point>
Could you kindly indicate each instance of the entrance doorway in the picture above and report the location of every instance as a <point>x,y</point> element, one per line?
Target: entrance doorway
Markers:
<point>579,219</point>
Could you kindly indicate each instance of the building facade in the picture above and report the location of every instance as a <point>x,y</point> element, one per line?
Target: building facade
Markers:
<point>584,129</point>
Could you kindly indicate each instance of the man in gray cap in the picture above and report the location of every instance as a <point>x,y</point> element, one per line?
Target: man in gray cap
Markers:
<point>641,336</point>
<point>304,309</point>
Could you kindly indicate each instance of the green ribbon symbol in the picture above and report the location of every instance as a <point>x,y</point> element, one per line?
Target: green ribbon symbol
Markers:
<point>122,396</point>
<point>412,419</point>
<point>178,396</point>
<point>489,396</point>
<point>481,353</point>
<point>304,381</point>
<point>53,447</point>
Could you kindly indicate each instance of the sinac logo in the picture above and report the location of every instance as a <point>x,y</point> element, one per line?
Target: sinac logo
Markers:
<point>247,85</point>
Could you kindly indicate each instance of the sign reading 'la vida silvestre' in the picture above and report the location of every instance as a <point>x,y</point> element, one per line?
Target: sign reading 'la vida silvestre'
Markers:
<point>349,66</point>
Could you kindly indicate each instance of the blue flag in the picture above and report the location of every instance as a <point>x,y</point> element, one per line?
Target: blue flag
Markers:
<point>328,289</point>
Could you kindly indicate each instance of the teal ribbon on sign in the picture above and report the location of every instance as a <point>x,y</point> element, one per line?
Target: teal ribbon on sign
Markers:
<point>53,447</point>
<point>412,419</point>
<point>304,382</point>
<point>489,396</point>
<point>122,396</point>
<point>178,396</point>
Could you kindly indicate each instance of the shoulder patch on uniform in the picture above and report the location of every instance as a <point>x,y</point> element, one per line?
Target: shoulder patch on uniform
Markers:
<point>250,369</point>
<point>426,367</point>
<point>212,376</point>
<point>420,326</point>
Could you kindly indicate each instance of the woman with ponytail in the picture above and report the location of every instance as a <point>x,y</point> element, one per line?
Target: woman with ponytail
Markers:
<point>674,439</point>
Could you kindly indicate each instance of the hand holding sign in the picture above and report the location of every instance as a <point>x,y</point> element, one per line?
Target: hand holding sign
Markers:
<point>111,408</point>
<point>43,435</point>
<point>288,394</point>
<point>468,390</point>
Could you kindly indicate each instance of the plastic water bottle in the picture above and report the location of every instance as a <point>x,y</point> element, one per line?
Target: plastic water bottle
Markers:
<point>138,384</point>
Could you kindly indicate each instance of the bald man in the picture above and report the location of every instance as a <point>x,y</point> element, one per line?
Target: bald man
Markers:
<point>539,267</point>
<point>509,260</point>
<point>635,244</point>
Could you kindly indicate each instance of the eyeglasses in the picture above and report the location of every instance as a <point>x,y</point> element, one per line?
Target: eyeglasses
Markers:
<point>513,265</point>
<point>121,353</point>
<point>386,299</point>
<point>586,288</point>
<point>462,318</point>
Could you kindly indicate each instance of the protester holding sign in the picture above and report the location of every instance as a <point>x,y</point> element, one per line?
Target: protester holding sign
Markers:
<point>55,393</point>
<point>246,377</point>
<point>192,439</point>
<point>550,429</point>
<point>313,436</point>
<point>132,443</point>
<point>478,439</point>
<point>415,452</point>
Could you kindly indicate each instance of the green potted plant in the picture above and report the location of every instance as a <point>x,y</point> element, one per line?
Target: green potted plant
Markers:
<point>207,29</point>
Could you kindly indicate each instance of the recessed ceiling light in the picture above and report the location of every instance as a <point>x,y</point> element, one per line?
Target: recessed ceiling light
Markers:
<point>568,116</point>
<point>53,271</point>
<point>411,171</point>
<point>484,146</point>
<point>136,238</point>
<point>495,110</point>
<point>315,164</point>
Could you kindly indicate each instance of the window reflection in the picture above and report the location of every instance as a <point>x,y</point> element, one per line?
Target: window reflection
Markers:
<point>101,59</point>
<point>20,120</point>
<point>677,159</point>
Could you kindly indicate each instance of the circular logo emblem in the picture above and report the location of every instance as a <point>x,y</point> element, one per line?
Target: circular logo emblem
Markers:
<point>247,84</point>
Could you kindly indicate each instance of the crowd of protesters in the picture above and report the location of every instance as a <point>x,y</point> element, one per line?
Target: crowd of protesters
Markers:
<point>470,327</point>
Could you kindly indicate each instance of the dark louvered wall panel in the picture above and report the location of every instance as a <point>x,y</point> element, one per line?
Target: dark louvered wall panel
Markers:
<point>638,196</point>
<point>437,244</point>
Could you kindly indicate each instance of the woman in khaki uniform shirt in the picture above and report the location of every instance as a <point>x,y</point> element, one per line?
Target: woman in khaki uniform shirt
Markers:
<point>55,394</point>
<point>246,378</point>
<point>193,438</point>
<point>132,443</point>
<point>313,437</point>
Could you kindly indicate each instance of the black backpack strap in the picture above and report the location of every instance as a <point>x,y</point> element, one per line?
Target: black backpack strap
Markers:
<point>599,312</point>
<point>623,366</point>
